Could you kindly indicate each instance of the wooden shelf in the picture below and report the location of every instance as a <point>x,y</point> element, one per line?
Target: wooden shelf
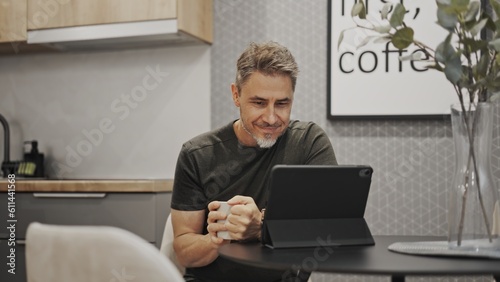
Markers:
<point>121,186</point>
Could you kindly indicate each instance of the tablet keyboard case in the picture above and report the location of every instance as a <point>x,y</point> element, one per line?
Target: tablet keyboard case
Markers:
<point>313,206</point>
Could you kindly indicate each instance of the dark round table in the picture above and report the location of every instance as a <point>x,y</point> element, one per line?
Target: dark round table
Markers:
<point>369,260</point>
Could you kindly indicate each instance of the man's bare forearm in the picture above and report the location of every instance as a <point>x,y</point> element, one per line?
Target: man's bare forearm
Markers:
<point>195,250</point>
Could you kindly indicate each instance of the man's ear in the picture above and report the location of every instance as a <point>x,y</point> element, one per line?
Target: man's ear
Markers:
<point>236,96</point>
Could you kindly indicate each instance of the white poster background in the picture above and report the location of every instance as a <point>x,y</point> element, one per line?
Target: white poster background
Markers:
<point>371,81</point>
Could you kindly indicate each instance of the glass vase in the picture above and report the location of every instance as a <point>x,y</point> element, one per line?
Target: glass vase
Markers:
<point>473,207</point>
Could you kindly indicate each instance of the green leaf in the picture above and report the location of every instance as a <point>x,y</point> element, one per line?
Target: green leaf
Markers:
<point>493,84</point>
<point>359,10</point>
<point>495,97</point>
<point>446,20</point>
<point>341,38</point>
<point>472,11</point>
<point>356,9</point>
<point>496,82</point>
<point>475,45</point>
<point>495,44</point>
<point>497,25</point>
<point>403,38</point>
<point>452,8</point>
<point>397,16</point>
<point>482,65</point>
<point>476,29</point>
<point>385,10</point>
<point>443,2</point>
<point>490,24</point>
<point>362,15</point>
<point>455,7</point>
<point>495,5</point>
<point>445,51</point>
<point>460,2</point>
<point>453,69</point>
<point>464,79</point>
<point>460,6</point>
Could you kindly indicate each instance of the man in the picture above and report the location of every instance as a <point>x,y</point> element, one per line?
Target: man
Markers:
<point>233,164</point>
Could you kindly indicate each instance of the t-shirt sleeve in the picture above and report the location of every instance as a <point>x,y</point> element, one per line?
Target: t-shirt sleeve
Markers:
<point>187,193</point>
<point>320,148</point>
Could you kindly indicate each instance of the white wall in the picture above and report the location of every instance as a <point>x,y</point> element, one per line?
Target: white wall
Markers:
<point>106,115</point>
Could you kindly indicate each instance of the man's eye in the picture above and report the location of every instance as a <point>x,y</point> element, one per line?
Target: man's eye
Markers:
<point>282,104</point>
<point>258,103</point>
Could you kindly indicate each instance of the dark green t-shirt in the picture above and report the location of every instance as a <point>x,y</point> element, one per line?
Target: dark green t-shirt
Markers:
<point>215,166</point>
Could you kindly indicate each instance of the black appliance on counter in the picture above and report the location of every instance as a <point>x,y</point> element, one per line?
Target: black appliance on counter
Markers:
<point>31,166</point>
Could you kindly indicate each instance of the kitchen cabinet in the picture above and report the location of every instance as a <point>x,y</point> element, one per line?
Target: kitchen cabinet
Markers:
<point>19,274</point>
<point>89,12</point>
<point>13,20</point>
<point>193,17</point>
<point>142,208</point>
<point>31,26</point>
<point>144,214</point>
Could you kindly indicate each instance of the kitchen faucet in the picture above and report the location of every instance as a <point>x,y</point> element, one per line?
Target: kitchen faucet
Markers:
<point>32,163</point>
<point>6,150</point>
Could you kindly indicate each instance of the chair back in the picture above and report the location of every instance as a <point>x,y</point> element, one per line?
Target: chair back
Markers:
<point>167,244</point>
<point>56,253</point>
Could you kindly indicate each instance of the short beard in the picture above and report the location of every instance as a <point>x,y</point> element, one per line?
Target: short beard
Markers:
<point>264,143</point>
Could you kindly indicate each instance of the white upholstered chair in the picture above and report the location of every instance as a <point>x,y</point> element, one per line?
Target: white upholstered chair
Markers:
<point>56,253</point>
<point>167,244</point>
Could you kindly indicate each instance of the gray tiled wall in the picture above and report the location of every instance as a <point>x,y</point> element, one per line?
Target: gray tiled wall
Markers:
<point>413,159</point>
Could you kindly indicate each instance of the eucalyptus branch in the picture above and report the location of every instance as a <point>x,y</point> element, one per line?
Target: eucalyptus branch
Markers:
<point>426,49</point>
<point>467,54</point>
<point>492,62</point>
<point>466,179</point>
<point>483,94</point>
<point>469,66</point>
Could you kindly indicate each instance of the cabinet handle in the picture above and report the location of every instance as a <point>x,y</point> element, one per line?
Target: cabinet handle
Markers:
<point>21,242</point>
<point>69,195</point>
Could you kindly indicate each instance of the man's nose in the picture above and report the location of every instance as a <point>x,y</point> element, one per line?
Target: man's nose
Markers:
<point>270,115</point>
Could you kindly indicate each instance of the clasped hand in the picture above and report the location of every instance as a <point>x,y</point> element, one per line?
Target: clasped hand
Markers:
<point>243,222</point>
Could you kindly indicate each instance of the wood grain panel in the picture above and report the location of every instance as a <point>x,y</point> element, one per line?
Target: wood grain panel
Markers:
<point>44,14</point>
<point>13,20</point>
<point>26,185</point>
<point>195,17</point>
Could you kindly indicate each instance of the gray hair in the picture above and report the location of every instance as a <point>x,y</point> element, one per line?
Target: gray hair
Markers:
<point>269,58</point>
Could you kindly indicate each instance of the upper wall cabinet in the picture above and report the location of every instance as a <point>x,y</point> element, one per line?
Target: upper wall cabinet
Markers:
<point>12,20</point>
<point>81,22</point>
<point>66,13</point>
<point>196,18</point>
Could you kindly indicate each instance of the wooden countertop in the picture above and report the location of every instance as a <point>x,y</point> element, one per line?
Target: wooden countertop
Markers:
<point>90,185</point>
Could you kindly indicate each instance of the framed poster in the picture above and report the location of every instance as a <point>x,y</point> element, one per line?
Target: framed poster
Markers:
<point>371,81</point>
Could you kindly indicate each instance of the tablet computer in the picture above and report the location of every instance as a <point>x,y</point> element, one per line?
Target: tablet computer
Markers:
<point>312,205</point>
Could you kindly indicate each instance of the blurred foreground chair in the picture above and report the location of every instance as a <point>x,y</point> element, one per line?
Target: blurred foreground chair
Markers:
<point>56,253</point>
<point>167,244</point>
